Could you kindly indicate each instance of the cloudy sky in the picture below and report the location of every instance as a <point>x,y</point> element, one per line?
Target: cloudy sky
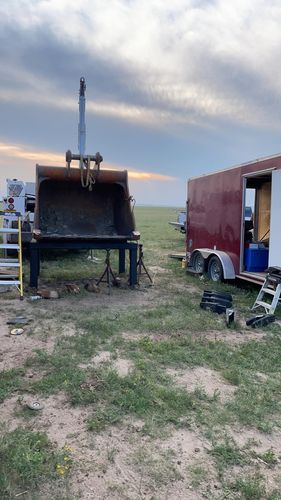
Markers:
<point>174,88</point>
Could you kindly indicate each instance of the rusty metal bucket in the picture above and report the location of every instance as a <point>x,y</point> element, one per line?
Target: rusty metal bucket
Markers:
<point>66,210</point>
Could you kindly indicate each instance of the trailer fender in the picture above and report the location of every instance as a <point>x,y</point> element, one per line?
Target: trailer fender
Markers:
<point>226,262</point>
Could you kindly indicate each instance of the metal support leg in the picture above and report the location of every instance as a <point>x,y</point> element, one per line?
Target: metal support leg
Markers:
<point>133,265</point>
<point>122,260</point>
<point>140,265</point>
<point>34,265</point>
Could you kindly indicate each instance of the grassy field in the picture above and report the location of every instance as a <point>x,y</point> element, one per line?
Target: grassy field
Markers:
<point>145,395</point>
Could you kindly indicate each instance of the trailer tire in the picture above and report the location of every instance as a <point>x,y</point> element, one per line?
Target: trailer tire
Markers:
<point>198,263</point>
<point>215,270</point>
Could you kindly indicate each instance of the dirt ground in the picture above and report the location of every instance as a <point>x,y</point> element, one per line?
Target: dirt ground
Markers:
<point>120,462</point>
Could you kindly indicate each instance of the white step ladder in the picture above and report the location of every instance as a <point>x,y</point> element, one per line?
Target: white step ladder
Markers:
<point>7,264</point>
<point>272,288</point>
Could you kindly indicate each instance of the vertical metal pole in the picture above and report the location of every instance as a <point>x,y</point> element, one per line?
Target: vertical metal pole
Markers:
<point>133,264</point>
<point>122,260</point>
<point>82,123</point>
<point>34,265</point>
<point>20,258</point>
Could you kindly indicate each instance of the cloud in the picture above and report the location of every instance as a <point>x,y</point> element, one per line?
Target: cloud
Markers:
<point>148,61</point>
<point>21,152</point>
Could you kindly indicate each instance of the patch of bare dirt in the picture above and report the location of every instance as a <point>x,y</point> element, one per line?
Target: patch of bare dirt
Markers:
<point>16,349</point>
<point>203,378</point>
<point>120,462</point>
<point>232,336</point>
<point>260,441</point>
<point>102,357</point>
<point>158,269</point>
<point>271,476</point>
<point>121,365</point>
<point>123,463</point>
<point>63,423</point>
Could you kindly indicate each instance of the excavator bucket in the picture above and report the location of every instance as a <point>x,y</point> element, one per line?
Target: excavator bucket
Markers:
<point>66,210</point>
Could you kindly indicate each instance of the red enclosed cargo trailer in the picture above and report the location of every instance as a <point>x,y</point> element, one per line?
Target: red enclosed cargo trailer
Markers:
<point>220,240</point>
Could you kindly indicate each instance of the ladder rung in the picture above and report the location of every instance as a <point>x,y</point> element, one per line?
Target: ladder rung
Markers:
<point>8,276</point>
<point>274,279</point>
<point>269,290</point>
<point>5,278</point>
<point>8,282</point>
<point>266,305</point>
<point>8,230</point>
<point>11,264</point>
<point>9,246</point>
<point>8,260</point>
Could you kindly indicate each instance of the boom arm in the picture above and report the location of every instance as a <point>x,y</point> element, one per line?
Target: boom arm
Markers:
<point>84,160</point>
<point>82,124</point>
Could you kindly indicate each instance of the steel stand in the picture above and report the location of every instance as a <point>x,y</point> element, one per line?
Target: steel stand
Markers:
<point>132,247</point>
<point>107,272</point>
<point>141,265</point>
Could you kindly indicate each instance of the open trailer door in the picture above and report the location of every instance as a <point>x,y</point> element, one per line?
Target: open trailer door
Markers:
<point>275,223</point>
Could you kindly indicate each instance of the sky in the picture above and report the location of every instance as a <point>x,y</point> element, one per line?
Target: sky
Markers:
<point>175,89</point>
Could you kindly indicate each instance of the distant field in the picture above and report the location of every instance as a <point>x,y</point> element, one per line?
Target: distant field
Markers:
<point>145,395</point>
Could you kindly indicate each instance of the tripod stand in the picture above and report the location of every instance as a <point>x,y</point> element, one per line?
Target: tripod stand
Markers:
<point>141,265</point>
<point>108,273</point>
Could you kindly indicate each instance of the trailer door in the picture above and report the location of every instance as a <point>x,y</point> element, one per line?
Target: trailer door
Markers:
<point>275,222</point>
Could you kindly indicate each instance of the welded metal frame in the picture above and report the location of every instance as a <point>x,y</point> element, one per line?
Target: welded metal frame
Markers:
<point>132,247</point>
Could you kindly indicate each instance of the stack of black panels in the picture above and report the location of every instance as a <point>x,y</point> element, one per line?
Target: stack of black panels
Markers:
<point>217,302</point>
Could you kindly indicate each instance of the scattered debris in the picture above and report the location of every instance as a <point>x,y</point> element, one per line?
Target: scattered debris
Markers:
<point>117,282</point>
<point>229,316</point>
<point>18,320</point>
<point>35,405</point>
<point>17,331</point>
<point>35,297</point>
<point>217,302</point>
<point>260,320</point>
<point>90,286</point>
<point>48,294</point>
<point>94,259</point>
<point>72,288</point>
<point>91,386</point>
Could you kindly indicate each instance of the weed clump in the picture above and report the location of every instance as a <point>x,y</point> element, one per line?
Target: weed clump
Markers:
<point>26,459</point>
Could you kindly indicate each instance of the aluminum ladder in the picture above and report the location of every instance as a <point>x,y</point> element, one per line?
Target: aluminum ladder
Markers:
<point>7,264</point>
<point>271,287</point>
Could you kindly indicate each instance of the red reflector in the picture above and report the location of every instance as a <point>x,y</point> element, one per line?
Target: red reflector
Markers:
<point>10,200</point>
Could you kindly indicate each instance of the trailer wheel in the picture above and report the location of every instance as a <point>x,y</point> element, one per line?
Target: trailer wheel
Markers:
<point>198,263</point>
<point>215,270</point>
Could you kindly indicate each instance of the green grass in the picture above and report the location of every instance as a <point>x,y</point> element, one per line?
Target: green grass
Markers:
<point>145,394</point>
<point>198,473</point>
<point>169,331</point>
<point>157,469</point>
<point>26,460</point>
<point>10,381</point>
<point>226,454</point>
<point>248,488</point>
<point>256,402</point>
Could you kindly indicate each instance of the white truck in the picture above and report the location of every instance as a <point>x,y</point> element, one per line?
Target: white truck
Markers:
<point>20,198</point>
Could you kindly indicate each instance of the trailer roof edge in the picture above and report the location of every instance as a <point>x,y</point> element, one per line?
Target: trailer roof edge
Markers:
<point>257,160</point>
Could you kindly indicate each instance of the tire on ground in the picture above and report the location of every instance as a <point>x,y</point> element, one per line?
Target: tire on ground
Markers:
<point>198,262</point>
<point>215,269</point>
